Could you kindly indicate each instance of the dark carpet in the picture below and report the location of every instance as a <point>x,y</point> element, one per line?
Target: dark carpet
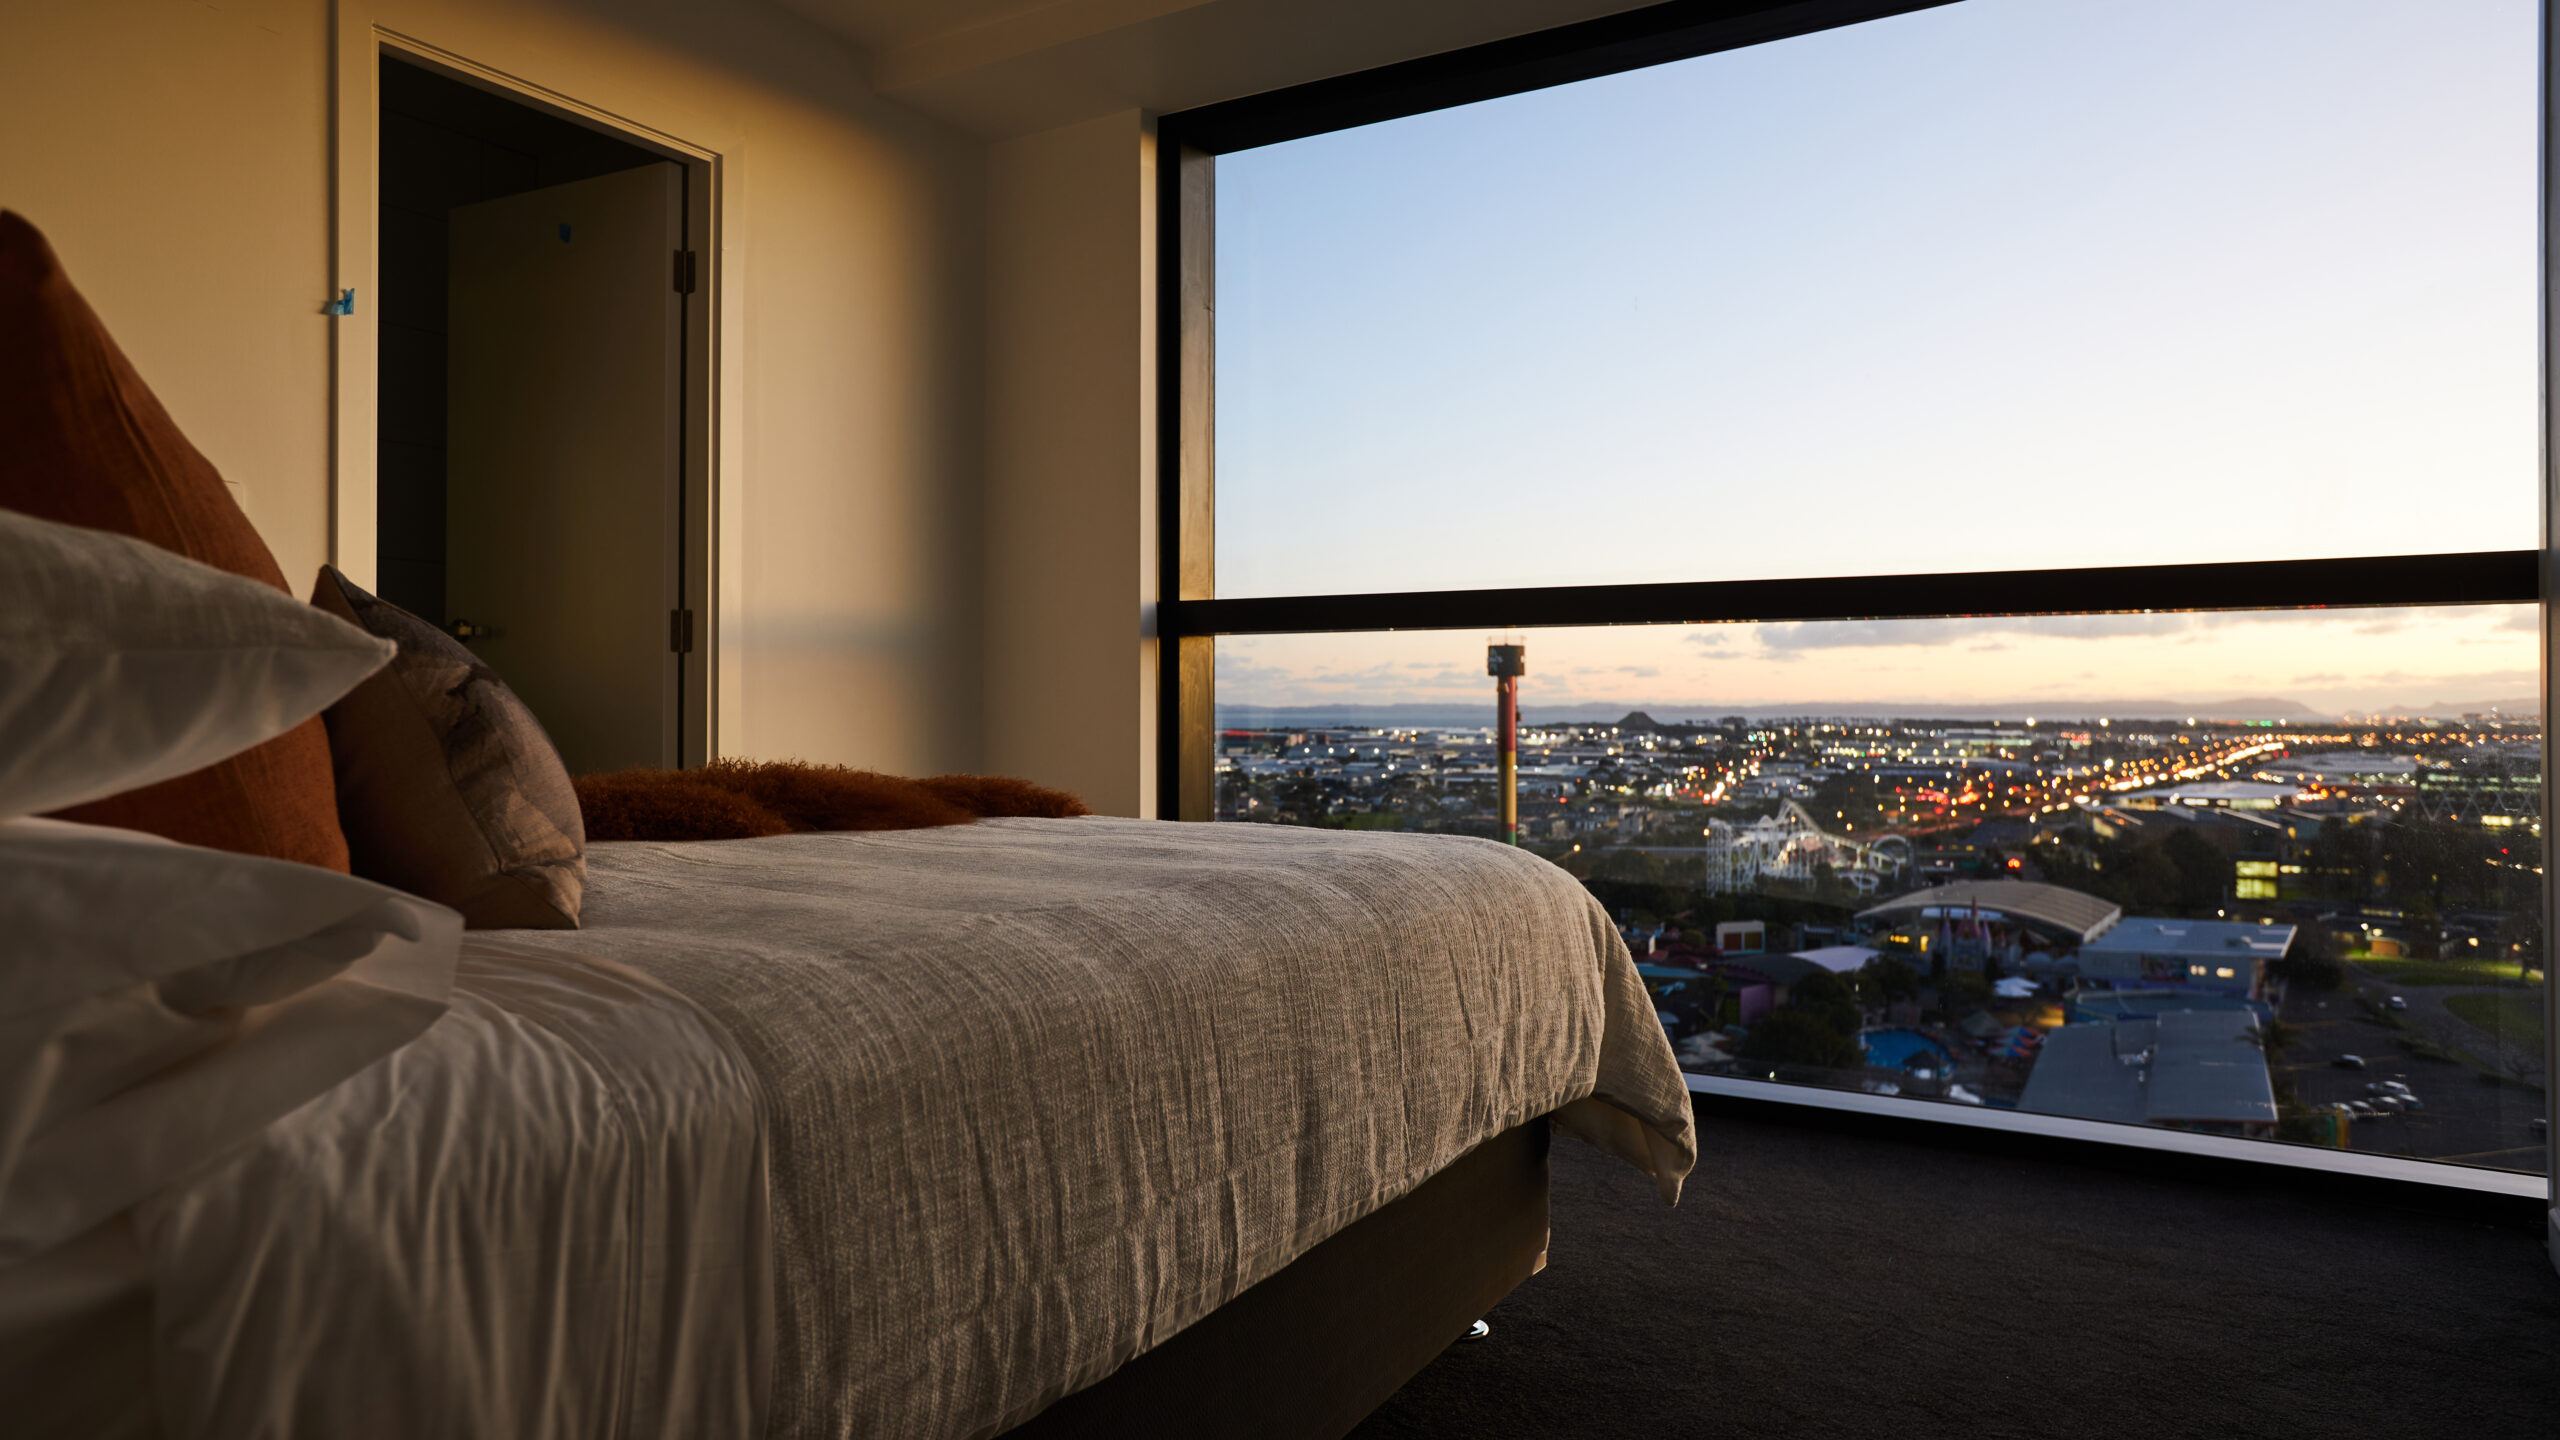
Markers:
<point>1815,1283</point>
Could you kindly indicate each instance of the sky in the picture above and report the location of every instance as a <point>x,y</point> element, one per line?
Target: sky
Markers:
<point>2009,283</point>
<point>2425,660</point>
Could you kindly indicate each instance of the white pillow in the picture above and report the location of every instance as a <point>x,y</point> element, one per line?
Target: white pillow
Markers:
<point>122,664</point>
<point>161,1003</point>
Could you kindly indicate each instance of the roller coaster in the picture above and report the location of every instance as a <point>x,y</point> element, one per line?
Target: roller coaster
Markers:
<point>1791,845</point>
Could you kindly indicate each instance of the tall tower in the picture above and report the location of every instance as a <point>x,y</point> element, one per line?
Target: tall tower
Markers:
<point>1506,664</point>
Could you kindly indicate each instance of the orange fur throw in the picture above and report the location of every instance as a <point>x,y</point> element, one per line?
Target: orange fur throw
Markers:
<point>747,799</point>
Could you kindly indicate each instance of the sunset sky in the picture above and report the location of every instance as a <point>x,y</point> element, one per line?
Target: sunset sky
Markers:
<point>2011,283</point>
<point>2328,662</point>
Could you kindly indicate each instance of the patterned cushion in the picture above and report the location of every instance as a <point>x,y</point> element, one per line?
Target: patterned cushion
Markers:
<point>447,787</point>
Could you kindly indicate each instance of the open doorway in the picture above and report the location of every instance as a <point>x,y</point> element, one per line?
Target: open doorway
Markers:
<point>531,491</point>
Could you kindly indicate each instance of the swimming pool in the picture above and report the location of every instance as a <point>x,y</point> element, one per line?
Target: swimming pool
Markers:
<point>1893,1049</point>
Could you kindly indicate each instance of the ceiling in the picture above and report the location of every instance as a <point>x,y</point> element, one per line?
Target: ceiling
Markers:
<point>1000,68</point>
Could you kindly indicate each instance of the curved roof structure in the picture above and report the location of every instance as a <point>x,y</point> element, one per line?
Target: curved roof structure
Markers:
<point>2083,915</point>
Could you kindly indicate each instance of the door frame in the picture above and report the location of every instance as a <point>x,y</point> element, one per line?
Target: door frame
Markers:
<point>355,203</point>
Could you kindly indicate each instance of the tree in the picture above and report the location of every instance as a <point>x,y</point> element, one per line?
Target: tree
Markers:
<point>1829,889</point>
<point>2275,1037</point>
<point>2144,879</point>
<point>1302,800</point>
<point>2342,856</point>
<point>2520,935</point>
<point>2425,926</point>
<point>1828,998</point>
<point>1790,1035</point>
<point>2441,861</point>
<point>2312,960</point>
<point>1886,980</point>
<point>2202,870</point>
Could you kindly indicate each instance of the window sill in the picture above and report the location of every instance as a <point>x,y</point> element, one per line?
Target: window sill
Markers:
<point>2503,1197</point>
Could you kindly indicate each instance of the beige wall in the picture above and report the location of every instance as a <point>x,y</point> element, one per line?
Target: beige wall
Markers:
<point>1071,679</point>
<point>178,154</point>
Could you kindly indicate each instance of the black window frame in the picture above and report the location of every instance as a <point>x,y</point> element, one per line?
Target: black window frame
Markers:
<point>1189,616</point>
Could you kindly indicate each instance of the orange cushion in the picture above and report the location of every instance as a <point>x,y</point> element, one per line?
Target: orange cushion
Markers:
<point>83,441</point>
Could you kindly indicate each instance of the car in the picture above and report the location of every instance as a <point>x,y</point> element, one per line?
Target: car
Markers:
<point>2396,1087</point>
<point>2349,1062</point>
<point>2411,1102</point>
<point>2387,1104</point>
<point>2362,1111</point>
<point>2540,1125</point>
<point>2396,1003</point>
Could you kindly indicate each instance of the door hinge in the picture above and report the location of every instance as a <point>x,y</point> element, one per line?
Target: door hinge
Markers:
<point>688,271</point>
<point>680,631</point>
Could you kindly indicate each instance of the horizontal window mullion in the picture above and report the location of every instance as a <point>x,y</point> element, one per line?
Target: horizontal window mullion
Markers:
<point>2485,577</point>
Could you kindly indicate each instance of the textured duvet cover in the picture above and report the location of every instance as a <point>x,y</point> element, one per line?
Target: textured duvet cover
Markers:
<point>1028,1097</point>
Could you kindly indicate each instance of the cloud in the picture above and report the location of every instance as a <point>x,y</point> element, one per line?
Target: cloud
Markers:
<point>1988,647</point>
<point>2476,679</point>
<point>1795,635</point>
<point>2325,677</point>
<point>1785,637</point>
<point>1641,672</point>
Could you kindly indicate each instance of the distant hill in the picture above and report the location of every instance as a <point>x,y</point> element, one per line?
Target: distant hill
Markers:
<point>2258,707</point>
<point>2526,706</point>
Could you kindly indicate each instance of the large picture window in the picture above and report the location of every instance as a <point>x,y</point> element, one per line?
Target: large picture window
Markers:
<point>2022,522</point>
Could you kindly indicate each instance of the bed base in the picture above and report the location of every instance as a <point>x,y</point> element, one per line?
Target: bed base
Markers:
<point>1308,1353</point>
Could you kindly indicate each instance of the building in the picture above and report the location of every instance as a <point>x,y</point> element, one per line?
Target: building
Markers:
<point>2090,1004</point>
<point>2371,775</point>
<point>2264,845</point>
<point>2187,1069</point>
<point>2051,912</point>
<point>2214,795</point>
<point>1839,959</point>
<point>2493,788</point>
<point>2226,957</point>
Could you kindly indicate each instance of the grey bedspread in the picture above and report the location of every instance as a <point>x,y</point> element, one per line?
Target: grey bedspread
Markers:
<point>1043,1092</point>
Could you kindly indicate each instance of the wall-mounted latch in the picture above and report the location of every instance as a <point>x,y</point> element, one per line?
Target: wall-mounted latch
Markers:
<point>465,630</point>
<point>345,304</point>
<point>680,631</point>
<point>688,271</point>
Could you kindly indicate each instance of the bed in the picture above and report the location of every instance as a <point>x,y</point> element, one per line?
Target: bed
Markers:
<point>1074,1126</point>
<point>916,1133</point>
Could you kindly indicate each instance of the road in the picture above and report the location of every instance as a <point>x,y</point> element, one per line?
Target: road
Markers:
<point>2428,1015</point>
<point>2467,1118</point>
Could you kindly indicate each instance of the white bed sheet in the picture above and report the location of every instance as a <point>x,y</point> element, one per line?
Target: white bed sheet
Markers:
<point>544,1217</point>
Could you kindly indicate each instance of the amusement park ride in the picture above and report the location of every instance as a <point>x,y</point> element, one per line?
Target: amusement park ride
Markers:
<point>1791,845</point>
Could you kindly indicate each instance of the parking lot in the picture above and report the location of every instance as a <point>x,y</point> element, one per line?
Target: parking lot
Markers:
<point>2466,1118</point>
